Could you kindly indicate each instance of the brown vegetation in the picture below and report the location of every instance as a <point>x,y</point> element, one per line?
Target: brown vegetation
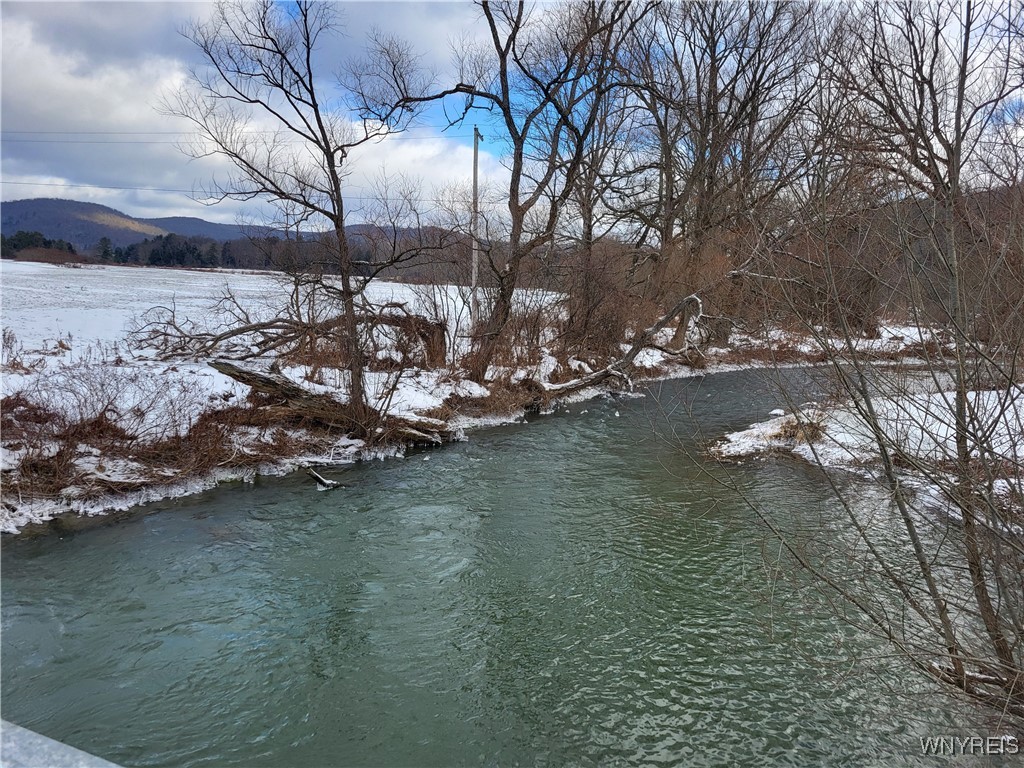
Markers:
<point>51,256</point>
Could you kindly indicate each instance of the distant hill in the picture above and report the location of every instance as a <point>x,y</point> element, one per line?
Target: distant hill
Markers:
<point>189,226</point>
<point>83,224</point>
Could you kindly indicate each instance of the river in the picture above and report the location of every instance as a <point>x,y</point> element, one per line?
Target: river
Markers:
<point>579,589</point>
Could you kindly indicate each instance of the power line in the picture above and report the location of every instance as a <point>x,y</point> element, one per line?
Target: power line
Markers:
<point>107,133</point>
<point>122,142</point>
<point>183,137</point>
<point>80,141</point>
<point>94,186</point>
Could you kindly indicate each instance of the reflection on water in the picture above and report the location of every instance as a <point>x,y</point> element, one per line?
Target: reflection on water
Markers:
<point>573,590</point>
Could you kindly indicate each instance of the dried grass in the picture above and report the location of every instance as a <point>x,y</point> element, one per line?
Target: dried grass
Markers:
<point>100,412</point>
<point>504,399</point>
<point>801,431</point>
<point>12,355</point>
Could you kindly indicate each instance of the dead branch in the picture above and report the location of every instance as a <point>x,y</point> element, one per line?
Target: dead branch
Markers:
<point>174,338</point>
<point>617,369</point>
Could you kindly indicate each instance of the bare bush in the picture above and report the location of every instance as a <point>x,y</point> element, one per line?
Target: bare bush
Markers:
<point>130,401</point>
<point>602,306</point>
<point>447,306</point>
<point>12,355</point>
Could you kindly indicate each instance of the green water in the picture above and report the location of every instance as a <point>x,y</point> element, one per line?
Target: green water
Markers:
<point>577,590</point>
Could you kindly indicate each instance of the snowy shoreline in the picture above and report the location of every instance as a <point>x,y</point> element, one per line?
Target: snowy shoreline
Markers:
<point>66,348</point>
<point>919,431</point>
<point>33,515</point>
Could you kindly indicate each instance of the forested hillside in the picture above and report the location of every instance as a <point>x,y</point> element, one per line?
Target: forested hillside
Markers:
<point>84,225</point>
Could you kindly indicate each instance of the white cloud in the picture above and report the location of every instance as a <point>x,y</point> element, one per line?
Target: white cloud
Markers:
<point>434,160</point>
<point>70,121</point>
<point>100,69</point>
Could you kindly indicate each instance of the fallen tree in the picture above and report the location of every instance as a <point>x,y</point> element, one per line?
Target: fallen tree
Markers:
<point>645,340</point>
<point>294,400</point>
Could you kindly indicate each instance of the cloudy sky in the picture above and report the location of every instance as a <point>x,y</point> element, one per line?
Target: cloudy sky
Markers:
<point>81,82</point>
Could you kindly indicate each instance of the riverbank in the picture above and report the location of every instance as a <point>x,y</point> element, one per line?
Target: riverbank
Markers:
<point>76,505</point>
<point>95,424</point>
<point>916,425</point>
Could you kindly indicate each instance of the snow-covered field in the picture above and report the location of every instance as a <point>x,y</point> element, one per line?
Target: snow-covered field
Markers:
<point>66,349</point>
<point>82,314</point>
<point>45,303</point>
<point>97,306</point>
<point>62,326</point>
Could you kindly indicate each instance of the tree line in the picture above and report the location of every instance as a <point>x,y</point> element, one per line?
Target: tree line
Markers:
<point>23,240</point>
<point>172,250</point>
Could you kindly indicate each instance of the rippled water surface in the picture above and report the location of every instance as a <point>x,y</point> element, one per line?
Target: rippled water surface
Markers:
<point>575,590</point>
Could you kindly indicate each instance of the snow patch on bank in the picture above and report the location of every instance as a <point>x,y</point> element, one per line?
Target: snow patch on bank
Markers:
<point>921,425</point>
<point>917,425</point>
<point>15,517</point>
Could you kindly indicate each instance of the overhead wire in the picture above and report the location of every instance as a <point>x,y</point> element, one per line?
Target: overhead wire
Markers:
<point>12,136</point>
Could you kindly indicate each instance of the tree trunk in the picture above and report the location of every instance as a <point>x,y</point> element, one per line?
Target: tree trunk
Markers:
<point>326,410</point>
<point>490,333</point>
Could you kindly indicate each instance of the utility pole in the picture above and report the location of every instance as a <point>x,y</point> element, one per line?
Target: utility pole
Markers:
<point>474,304</point>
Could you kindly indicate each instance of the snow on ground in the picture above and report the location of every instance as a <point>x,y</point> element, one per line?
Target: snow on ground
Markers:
<point>20,514</point>
<point>407,393</point>
<point>96,306</point>
<point>921,424</point>
<point>66,348</point>
<point>892,339</point>
<point>918,424</point>
<point>60,315</point>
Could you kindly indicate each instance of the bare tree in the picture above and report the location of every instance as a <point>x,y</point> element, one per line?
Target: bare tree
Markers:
<point>261,102</point>
<point>545,75</point>
<point>719,90</point>
<point>915,132</point>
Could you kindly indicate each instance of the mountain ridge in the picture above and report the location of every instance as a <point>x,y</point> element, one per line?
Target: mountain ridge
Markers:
<point>84,224</point>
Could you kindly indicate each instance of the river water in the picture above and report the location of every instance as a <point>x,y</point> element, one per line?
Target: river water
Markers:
<point>576,590</point>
